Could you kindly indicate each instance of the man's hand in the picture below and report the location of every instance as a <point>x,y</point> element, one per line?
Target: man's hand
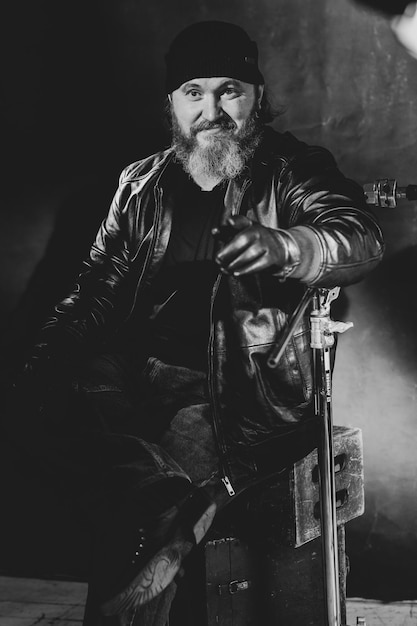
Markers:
<point>249,247</point>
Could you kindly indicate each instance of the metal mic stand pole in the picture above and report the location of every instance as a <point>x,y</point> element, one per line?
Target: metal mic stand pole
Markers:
<point>322,339</point>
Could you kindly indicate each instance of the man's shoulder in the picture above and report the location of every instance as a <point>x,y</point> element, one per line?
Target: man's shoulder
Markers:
<point>148,167</point>
<point>287,148</point>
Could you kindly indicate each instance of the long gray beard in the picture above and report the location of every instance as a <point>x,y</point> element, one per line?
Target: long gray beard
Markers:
<point>225,156</point>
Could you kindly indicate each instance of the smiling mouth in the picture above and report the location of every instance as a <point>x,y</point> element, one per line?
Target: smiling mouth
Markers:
<point>216,129</point>
<point>211,128</point>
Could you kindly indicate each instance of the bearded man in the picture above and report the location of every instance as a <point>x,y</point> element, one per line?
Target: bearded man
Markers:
<point>172,409</point>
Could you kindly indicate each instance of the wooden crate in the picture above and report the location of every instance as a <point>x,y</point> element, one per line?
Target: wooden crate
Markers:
<point>349,480</point>
<point>268,584</point>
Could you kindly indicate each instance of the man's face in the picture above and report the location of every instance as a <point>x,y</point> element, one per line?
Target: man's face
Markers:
<point>205,107</point>
<point>215,126</point>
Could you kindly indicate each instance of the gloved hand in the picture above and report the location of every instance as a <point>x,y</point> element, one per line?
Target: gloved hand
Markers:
<point>249,247</point>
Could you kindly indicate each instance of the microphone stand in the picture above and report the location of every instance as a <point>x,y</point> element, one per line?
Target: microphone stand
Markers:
<point>322,340</point>
<point>383,193</point>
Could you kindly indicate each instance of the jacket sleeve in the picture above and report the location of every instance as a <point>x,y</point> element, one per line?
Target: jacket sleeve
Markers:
<point>326,213</point>
<point>80,319</point>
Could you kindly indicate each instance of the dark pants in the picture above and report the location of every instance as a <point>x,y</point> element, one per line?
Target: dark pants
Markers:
<point>119,435</point>
<point>162,408</point>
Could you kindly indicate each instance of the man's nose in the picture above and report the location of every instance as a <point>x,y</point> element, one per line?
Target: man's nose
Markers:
<point>212,108</point>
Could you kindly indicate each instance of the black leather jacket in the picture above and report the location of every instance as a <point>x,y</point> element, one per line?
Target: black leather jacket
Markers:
<point>289,185</point>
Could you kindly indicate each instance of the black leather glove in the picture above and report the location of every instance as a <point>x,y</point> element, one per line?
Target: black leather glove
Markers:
<point>250,247</point>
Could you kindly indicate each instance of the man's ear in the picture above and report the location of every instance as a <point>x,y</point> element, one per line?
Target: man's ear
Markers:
<point>170,98</point>
<point>259,95</point>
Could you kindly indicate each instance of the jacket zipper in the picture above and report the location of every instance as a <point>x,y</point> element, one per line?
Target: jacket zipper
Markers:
<point>219,439</point>
<point>218,434</point>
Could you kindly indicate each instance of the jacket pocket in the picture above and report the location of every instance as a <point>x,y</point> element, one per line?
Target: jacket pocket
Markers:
<point>289,383</point>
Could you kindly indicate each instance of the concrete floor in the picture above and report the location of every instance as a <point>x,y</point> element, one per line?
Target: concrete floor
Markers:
<point>26,602</point>
<point>33,602</point>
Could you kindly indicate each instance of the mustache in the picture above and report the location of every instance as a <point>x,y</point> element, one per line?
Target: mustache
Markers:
<point>222,123</point>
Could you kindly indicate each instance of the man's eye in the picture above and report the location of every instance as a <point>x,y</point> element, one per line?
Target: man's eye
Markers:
<point>193,94</point>
<point>231,92</point>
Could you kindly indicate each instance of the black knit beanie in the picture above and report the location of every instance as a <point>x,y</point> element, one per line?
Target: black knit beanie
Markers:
<point>208,49</point>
